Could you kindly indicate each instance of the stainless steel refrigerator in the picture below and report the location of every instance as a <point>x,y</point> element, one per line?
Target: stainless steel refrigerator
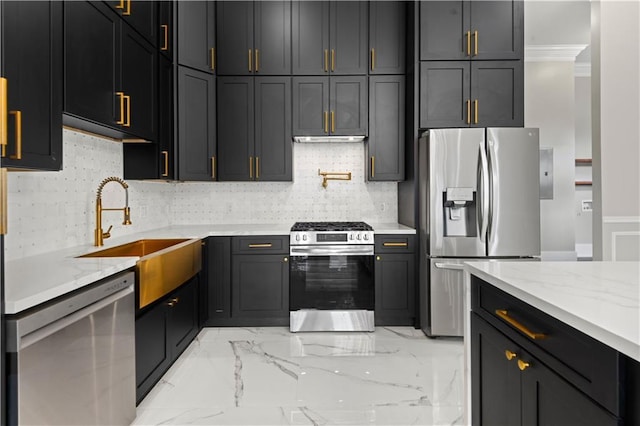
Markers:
<point>479,198</point>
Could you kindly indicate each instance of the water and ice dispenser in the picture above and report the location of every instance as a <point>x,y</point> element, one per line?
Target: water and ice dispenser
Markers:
<point>459,210</point>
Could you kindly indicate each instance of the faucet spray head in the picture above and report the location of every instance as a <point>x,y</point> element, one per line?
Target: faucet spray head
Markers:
<point>127,216</point>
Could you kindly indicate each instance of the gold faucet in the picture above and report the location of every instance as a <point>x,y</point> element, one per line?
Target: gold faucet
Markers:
<point>99,235</point>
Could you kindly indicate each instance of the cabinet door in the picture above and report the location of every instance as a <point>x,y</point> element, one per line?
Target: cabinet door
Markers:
<point>32,65</point>
<point>196,125</point>
<point>310,37</point>
<point>260,286</point>
<point>310,106</point>
<point>548,399</point>
<point>445,30</point>
<point>196,35</point>
<point>219,277</point>
<point>234,28</point>
<point>236,160</point>
<point>348,33</point>
<point>272,37</point>
<point>497,93</point>
<point>444,94</point>
<point>348,105</point>
<point>91,62</point>
<point>141,15</point>
<point>183,317</point>
<point>495,377</point>
<point>153,354</point>
<point>387,37</point>
<point>386,128</point>
<point>165,28</point>
<point>497,28</point>
<point>140,83</point>
<point>273,128</point>
<point>395,289</point>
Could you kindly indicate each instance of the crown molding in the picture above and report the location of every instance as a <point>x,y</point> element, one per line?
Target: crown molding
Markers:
<point>553,52</point>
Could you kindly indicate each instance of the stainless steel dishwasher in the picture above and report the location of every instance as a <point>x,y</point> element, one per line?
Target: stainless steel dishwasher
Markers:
<point>72,361</point>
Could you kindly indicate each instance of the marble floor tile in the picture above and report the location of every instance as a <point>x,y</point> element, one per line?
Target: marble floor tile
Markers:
<point>269,376</point>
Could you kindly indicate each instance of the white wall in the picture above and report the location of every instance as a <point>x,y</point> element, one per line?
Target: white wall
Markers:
<point>616,129</point>
<point>583,219</point>
<point>53,210</point>
<point>549,105</point>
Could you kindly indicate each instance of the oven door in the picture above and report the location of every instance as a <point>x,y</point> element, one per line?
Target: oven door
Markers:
<point>331,277</point>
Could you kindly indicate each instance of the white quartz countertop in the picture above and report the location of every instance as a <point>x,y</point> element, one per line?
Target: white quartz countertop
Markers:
<point>601,299</point>
<point>33,280</point>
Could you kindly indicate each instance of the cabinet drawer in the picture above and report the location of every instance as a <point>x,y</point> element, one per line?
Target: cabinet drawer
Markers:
<point>260,244</point>
<point>591,366</point>
<point>394,243</point>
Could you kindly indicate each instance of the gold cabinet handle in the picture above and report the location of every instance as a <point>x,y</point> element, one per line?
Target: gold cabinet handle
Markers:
<point>468,111</point>
<point>378,258</point>
<point>121,120</point>
<point>333,121</point>
<point>286,259</point>
<point>373,59</point>
<point>468,43</point>
<point>165,155</point>
<point>212,53</point>
<point>389,244</point>
<point>4,115</point>
<point>326,60</point>
<point>326,122</point>
<point>510,355</point>
<point>127,11</point>
<point>257,60</point>
<point>373,166</point>
<point>173,302</point>
<point>475,113</point>
<point>165,30</point>
<point>502,313</point>
<point>475,43</point>
<point>261,245</point>
<point>213,167</point>
<point>250,167</point>
<point>522,365</point>
<point>120,5</point>
<point>257,167</point>
<point>127,99</point>
<point>250,61</point>
<point>333,59</point>
<point>18,117</point>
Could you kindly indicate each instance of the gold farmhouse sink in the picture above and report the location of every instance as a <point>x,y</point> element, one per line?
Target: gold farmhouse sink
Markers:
<point>163,266</point>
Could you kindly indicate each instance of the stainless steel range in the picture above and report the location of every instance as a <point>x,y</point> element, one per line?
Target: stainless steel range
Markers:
<point>331,286</point>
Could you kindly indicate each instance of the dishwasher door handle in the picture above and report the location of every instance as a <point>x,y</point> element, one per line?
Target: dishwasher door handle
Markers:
<point>455,266</point>
<point>48,330</point>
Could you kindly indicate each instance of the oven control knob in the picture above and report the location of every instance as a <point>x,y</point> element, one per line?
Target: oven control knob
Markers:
<point>351,236</point>
<point>366,237</point>
<point>297,237</point>
<point>358,236</point>
<point>304,238</point>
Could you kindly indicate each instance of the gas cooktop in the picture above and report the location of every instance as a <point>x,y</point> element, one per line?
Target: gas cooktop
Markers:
<point>330,226</point>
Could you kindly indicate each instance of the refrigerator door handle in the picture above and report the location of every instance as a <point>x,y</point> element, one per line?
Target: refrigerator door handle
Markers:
<point>495,195</point>
<point>484,196</point>
<point>456,266</point>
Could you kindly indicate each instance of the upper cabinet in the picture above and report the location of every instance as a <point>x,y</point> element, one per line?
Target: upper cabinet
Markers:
<point>31,85</point>
<point>254,38</point>
<point>141,15</point>
<point>387,37</point>
<point>110,74</point>
<point>476,30</point>
<point>197,35</point>
<point>329,37</point>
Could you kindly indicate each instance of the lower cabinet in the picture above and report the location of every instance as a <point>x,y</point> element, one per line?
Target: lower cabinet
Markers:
<point>395,272</point>
<point>163,332</point>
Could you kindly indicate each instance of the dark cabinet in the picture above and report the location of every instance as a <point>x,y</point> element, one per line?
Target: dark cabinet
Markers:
<point>163,332</point>
<point>196,125</point>
<point>387,37</point>
<point>385,145</point>
<point>254,37</point>
<point>471,94</point>
<point>110,74</point>
<point>165,28</point>
<point>395,280</point>
<point>477,29</point>
<point>218,279</point>
<point>329,37</point>
<point>330,106</point>
<point>33,90</point>
<point>142,15</point>
<point>196,35</point>
<point>254,128</point>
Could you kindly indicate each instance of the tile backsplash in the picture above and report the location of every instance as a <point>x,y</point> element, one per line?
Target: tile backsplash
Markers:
<point>54,210</point>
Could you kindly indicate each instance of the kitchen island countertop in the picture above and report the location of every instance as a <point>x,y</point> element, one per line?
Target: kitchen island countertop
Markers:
<point>33,280</point>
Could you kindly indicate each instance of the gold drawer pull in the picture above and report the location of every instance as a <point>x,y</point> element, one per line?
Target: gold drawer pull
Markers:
<point>173,302</point>
<point>261,245</point>
<point>510,355</point>
<point>502,313</point>
<point>522,365</point>
<point>395,244</point>
<point>165,31</point>
<point>165,155</point>
<point>4,115</point>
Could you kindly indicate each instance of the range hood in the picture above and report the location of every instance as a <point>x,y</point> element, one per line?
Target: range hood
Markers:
<point>307,139</point>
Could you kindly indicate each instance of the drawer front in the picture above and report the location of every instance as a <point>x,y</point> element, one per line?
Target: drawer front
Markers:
<point>260,244</point>
<point>591,366</point>
<point>394,243</point>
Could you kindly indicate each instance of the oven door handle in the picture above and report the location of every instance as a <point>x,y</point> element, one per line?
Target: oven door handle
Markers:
<point>329,250</point>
